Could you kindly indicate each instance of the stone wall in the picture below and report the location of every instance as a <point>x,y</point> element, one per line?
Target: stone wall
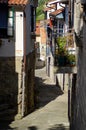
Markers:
<point>79,114</point>
<point>11,83</point>
<point>30,82</point>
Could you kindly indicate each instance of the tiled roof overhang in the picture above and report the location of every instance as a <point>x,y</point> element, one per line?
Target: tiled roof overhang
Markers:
<point>56,12</point>
<point>14,2</point>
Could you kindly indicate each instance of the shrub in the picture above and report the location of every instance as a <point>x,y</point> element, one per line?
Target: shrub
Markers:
<point>63,56</point>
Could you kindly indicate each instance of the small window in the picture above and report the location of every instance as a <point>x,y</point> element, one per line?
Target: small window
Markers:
<point>3,21</point>
<point>6,21</point>
<point>10,22</point>
<point>33,19</point>
<point>60,29</point>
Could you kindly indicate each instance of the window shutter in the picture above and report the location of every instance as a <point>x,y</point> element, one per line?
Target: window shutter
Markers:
<point>10,29</point>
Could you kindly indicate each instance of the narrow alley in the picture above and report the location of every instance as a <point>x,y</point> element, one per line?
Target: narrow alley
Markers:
<point>51,108</point>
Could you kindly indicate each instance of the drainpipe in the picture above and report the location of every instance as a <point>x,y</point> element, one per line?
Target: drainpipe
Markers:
<point>24,67</point>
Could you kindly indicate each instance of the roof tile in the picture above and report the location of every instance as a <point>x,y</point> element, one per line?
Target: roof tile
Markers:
<point>57,12</point>
<point>14,2</point>
<point>17,2</point>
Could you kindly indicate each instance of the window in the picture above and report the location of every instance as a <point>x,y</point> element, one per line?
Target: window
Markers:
<point>33,18</point>
<point>10,22</point>
<point>6,21</point>
<point>3,21</point>
<point>60,29</point>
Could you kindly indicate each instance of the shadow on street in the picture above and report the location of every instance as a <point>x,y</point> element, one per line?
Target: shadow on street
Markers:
<point>56,127</point>
<point>4,125</point>
<point>45,93</point>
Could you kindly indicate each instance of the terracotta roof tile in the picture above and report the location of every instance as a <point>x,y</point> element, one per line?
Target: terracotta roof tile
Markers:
<point>17,2</point>
<point>14,2</point>
<point>57,12</point>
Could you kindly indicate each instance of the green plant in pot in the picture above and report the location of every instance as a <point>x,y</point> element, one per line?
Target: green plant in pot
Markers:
<point>71,59</point>
<point>61,42</point>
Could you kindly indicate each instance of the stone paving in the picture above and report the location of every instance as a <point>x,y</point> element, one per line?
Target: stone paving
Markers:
<point>51,110</point>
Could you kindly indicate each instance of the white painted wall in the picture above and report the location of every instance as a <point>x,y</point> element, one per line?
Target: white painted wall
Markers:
<point>48,12</point>
<point>14,46</point>
<point>19,35</point>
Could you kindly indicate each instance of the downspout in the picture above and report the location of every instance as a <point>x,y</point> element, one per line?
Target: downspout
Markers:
<point>24,66</point>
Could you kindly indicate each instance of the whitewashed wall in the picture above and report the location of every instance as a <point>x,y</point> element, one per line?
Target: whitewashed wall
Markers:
<point>14,46</point>
<point>19,35</point>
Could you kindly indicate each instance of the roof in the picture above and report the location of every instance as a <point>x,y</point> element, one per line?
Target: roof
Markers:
<point>14,2</point>
<point>57,12</point>
<point>17,2</point>
<point>58,1</point>
<point>53,6</point>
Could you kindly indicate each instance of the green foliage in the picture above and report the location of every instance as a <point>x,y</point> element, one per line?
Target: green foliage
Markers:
<point>71,59</point>
<point>61,41</point>
<point>39,11</point>
<point>39,14</point>
<point>64,58</point>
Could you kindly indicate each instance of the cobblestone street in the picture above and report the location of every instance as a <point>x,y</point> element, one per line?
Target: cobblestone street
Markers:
<point>51,108</point>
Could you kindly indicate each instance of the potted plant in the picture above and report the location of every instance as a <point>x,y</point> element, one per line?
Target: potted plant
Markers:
<point>71,59</point>
<point>61,42</point>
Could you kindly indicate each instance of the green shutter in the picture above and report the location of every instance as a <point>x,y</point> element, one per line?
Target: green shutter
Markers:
<point>10,30</point>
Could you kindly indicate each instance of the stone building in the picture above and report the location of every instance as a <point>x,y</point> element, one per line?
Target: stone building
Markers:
<point>40,43</point>
<point>17,57</point>
<point>79,111</point>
